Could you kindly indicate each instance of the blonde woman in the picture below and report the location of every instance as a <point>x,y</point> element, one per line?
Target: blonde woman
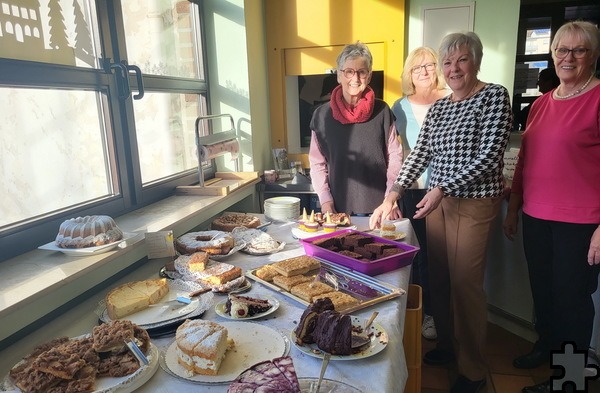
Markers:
<point>422,85</point>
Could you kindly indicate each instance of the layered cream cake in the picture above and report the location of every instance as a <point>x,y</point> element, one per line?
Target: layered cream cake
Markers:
<point>201,346</point>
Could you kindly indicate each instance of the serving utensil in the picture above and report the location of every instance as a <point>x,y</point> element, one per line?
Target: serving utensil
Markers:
<point>358,340</point>
<point>326,358</point>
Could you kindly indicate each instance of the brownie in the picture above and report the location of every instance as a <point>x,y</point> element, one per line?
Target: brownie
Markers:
<point>391,251</point>
<point>364,252</point>
<point>377,247</point>
<point>357,240</point>
<point>325,243</point>
<point>350,254</point>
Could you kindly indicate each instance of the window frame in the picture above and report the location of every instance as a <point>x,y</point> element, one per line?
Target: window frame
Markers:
<point>119,117</point>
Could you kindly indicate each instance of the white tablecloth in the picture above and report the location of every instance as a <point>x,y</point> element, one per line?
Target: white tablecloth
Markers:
<point>383,372</point>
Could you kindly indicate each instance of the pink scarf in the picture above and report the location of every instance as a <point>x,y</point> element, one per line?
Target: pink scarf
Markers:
<point>346,113</point>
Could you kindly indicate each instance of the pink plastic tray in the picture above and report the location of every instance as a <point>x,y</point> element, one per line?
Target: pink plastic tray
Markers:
<point>372,268</point>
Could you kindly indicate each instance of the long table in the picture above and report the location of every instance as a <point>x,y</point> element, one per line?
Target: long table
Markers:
<point>382,372</point>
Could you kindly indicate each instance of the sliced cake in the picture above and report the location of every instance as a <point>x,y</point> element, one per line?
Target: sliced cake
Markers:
<point>201,346</point>
<point>245,306</point>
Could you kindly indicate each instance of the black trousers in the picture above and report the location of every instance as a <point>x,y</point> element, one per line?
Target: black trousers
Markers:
<point>562,282</point>
<point>420,275</point>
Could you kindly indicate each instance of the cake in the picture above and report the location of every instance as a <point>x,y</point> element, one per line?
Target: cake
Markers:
<point>271,376</point>
<point>211,242</point>
<point>201,346</point>
<point>73,365</point>
<point>333,333</point>
<point>341,301</point>
<point>135,296</point>
<point>308,320</point>
<point>245,306</point>
<point>218,273</point>
<point>266,272</point>
<point>228,222</point>
<point>195,262</point>
<point>88,231</point>
<point>297,265</point>
<point>288,283</point>
<point>307,290</point>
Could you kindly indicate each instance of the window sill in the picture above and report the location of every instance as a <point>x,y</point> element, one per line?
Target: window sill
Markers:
<point>36,285</point>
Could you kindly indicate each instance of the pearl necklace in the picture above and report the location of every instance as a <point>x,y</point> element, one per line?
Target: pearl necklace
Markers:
<point>457,99</point>
<point>582,88</point>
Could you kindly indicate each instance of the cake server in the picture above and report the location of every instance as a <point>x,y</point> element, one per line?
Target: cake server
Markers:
<point>326,358</point>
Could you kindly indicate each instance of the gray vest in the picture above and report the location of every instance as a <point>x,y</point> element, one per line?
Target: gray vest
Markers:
<point>356,155</point>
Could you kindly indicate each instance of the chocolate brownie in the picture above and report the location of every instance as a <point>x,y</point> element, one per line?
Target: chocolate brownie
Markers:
<point>377,247</point>
<point>357,240</point>
<point>364,252</point>
<point>350,254</point>
<point>391,251</point>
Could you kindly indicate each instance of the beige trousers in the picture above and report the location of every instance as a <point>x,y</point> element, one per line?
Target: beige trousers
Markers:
<point>457,238</point>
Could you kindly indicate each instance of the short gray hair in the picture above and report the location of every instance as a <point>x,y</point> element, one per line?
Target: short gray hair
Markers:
<point>355,50</point>
<point>586,31</point>
<point>453,41</point>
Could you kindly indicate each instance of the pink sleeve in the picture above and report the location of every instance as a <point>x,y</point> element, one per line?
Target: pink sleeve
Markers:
<point>319,172</point>
<point>395,156</point>
<point>517,181</point>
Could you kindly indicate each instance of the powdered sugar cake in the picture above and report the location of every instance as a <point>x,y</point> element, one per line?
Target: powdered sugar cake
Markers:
<point>201,346</point>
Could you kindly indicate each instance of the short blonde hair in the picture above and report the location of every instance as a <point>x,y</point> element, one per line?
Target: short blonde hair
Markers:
<point>586,31</point>
<point>413,59</point>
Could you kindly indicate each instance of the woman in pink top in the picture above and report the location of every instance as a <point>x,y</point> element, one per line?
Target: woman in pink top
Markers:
<point>557,185</point>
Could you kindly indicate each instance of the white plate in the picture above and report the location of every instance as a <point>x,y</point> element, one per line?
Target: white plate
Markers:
<point>308,385</point>
<point>285,201</point>
<point>163,311</point>
<point>379,340</point>
<point>300,234</point>
<point>220,310</point>
<point>254,343</point>
<point>87,251</point>
<point>125,384</point>
<point>399,235</point>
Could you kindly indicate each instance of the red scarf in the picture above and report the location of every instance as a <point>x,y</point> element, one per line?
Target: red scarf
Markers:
<point>348,114</point>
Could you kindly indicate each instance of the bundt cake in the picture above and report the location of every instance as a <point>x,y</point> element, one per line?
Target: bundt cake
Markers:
<point>88,231</point>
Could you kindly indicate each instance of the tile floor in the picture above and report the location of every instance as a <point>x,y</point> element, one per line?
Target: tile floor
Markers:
<point>502,347</point>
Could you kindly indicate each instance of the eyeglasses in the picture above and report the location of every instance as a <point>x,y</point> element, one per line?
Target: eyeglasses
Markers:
<point>349,73</point>
<point>418,69</point>
<point>578,53</point>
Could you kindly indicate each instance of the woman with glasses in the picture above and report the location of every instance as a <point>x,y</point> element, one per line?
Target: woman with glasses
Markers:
<point>422,85</point>
<point>463,139</point>
<point>557,186</point>
<point>354,153</point>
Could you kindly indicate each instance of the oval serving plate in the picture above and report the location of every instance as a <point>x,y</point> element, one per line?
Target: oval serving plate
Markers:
<point>87,251</point>
<point>254,343</point>
<point>379,340</point>
<point>125,384</point>
<point>220,310</point>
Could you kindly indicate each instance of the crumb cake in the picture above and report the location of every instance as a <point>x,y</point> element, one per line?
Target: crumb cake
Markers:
<point>340,300</point>
<point>201,346</point>
<point>297,265</point>
<point>288,283</point>
<point>306,291</point>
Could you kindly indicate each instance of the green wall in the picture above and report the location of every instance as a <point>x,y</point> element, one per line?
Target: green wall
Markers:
<point>496,23</point>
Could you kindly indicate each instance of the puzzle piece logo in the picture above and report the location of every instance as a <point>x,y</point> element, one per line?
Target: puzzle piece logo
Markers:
<point>576,372</point>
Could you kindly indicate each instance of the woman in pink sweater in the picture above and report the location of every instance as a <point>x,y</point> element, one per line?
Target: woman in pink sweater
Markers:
<point>557,186</point>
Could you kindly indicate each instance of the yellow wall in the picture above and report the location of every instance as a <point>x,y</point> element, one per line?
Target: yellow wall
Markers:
<point>306,36</point>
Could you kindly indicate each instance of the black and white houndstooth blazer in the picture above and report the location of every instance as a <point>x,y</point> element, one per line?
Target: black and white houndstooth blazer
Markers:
<point>464,143</point>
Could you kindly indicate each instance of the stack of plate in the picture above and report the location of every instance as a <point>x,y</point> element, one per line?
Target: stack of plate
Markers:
<point>282,208</point>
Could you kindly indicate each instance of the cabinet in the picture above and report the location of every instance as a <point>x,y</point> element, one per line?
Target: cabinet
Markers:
<point>289,187</point>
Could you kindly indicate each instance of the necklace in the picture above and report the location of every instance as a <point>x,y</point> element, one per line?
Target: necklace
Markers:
<point>582,88</point>
<point>457,99</point>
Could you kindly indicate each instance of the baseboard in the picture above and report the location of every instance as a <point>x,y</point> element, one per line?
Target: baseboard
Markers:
<point>511,323</point>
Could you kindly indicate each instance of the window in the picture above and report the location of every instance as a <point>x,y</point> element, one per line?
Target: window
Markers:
<point>100,101</point>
